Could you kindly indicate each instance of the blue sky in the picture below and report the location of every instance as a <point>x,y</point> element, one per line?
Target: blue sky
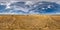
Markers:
<point>2,8</point>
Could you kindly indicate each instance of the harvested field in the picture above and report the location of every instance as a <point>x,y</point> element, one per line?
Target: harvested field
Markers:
<point>29,22</point>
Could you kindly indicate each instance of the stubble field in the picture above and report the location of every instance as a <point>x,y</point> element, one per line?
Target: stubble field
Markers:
<point>29,22</point>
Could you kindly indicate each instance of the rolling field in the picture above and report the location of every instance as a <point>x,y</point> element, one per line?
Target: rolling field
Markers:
<point>29,22</point>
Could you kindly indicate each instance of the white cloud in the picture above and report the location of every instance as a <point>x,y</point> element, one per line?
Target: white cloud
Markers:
<point>31,0</point>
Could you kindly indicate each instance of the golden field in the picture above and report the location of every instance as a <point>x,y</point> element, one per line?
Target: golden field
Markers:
<point>29,22</point>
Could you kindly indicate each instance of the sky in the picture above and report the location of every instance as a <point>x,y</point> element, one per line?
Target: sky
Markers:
<point>29,0</point>
<point>58,1</point>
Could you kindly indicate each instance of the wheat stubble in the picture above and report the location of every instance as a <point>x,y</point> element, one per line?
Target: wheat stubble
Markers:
<point>29,22</point>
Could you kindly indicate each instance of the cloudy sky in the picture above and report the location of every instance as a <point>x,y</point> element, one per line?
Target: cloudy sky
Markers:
<point>29,0</point>
<point>58,1</point>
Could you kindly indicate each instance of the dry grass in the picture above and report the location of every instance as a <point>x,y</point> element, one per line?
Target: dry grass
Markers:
<point>29,22</point>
